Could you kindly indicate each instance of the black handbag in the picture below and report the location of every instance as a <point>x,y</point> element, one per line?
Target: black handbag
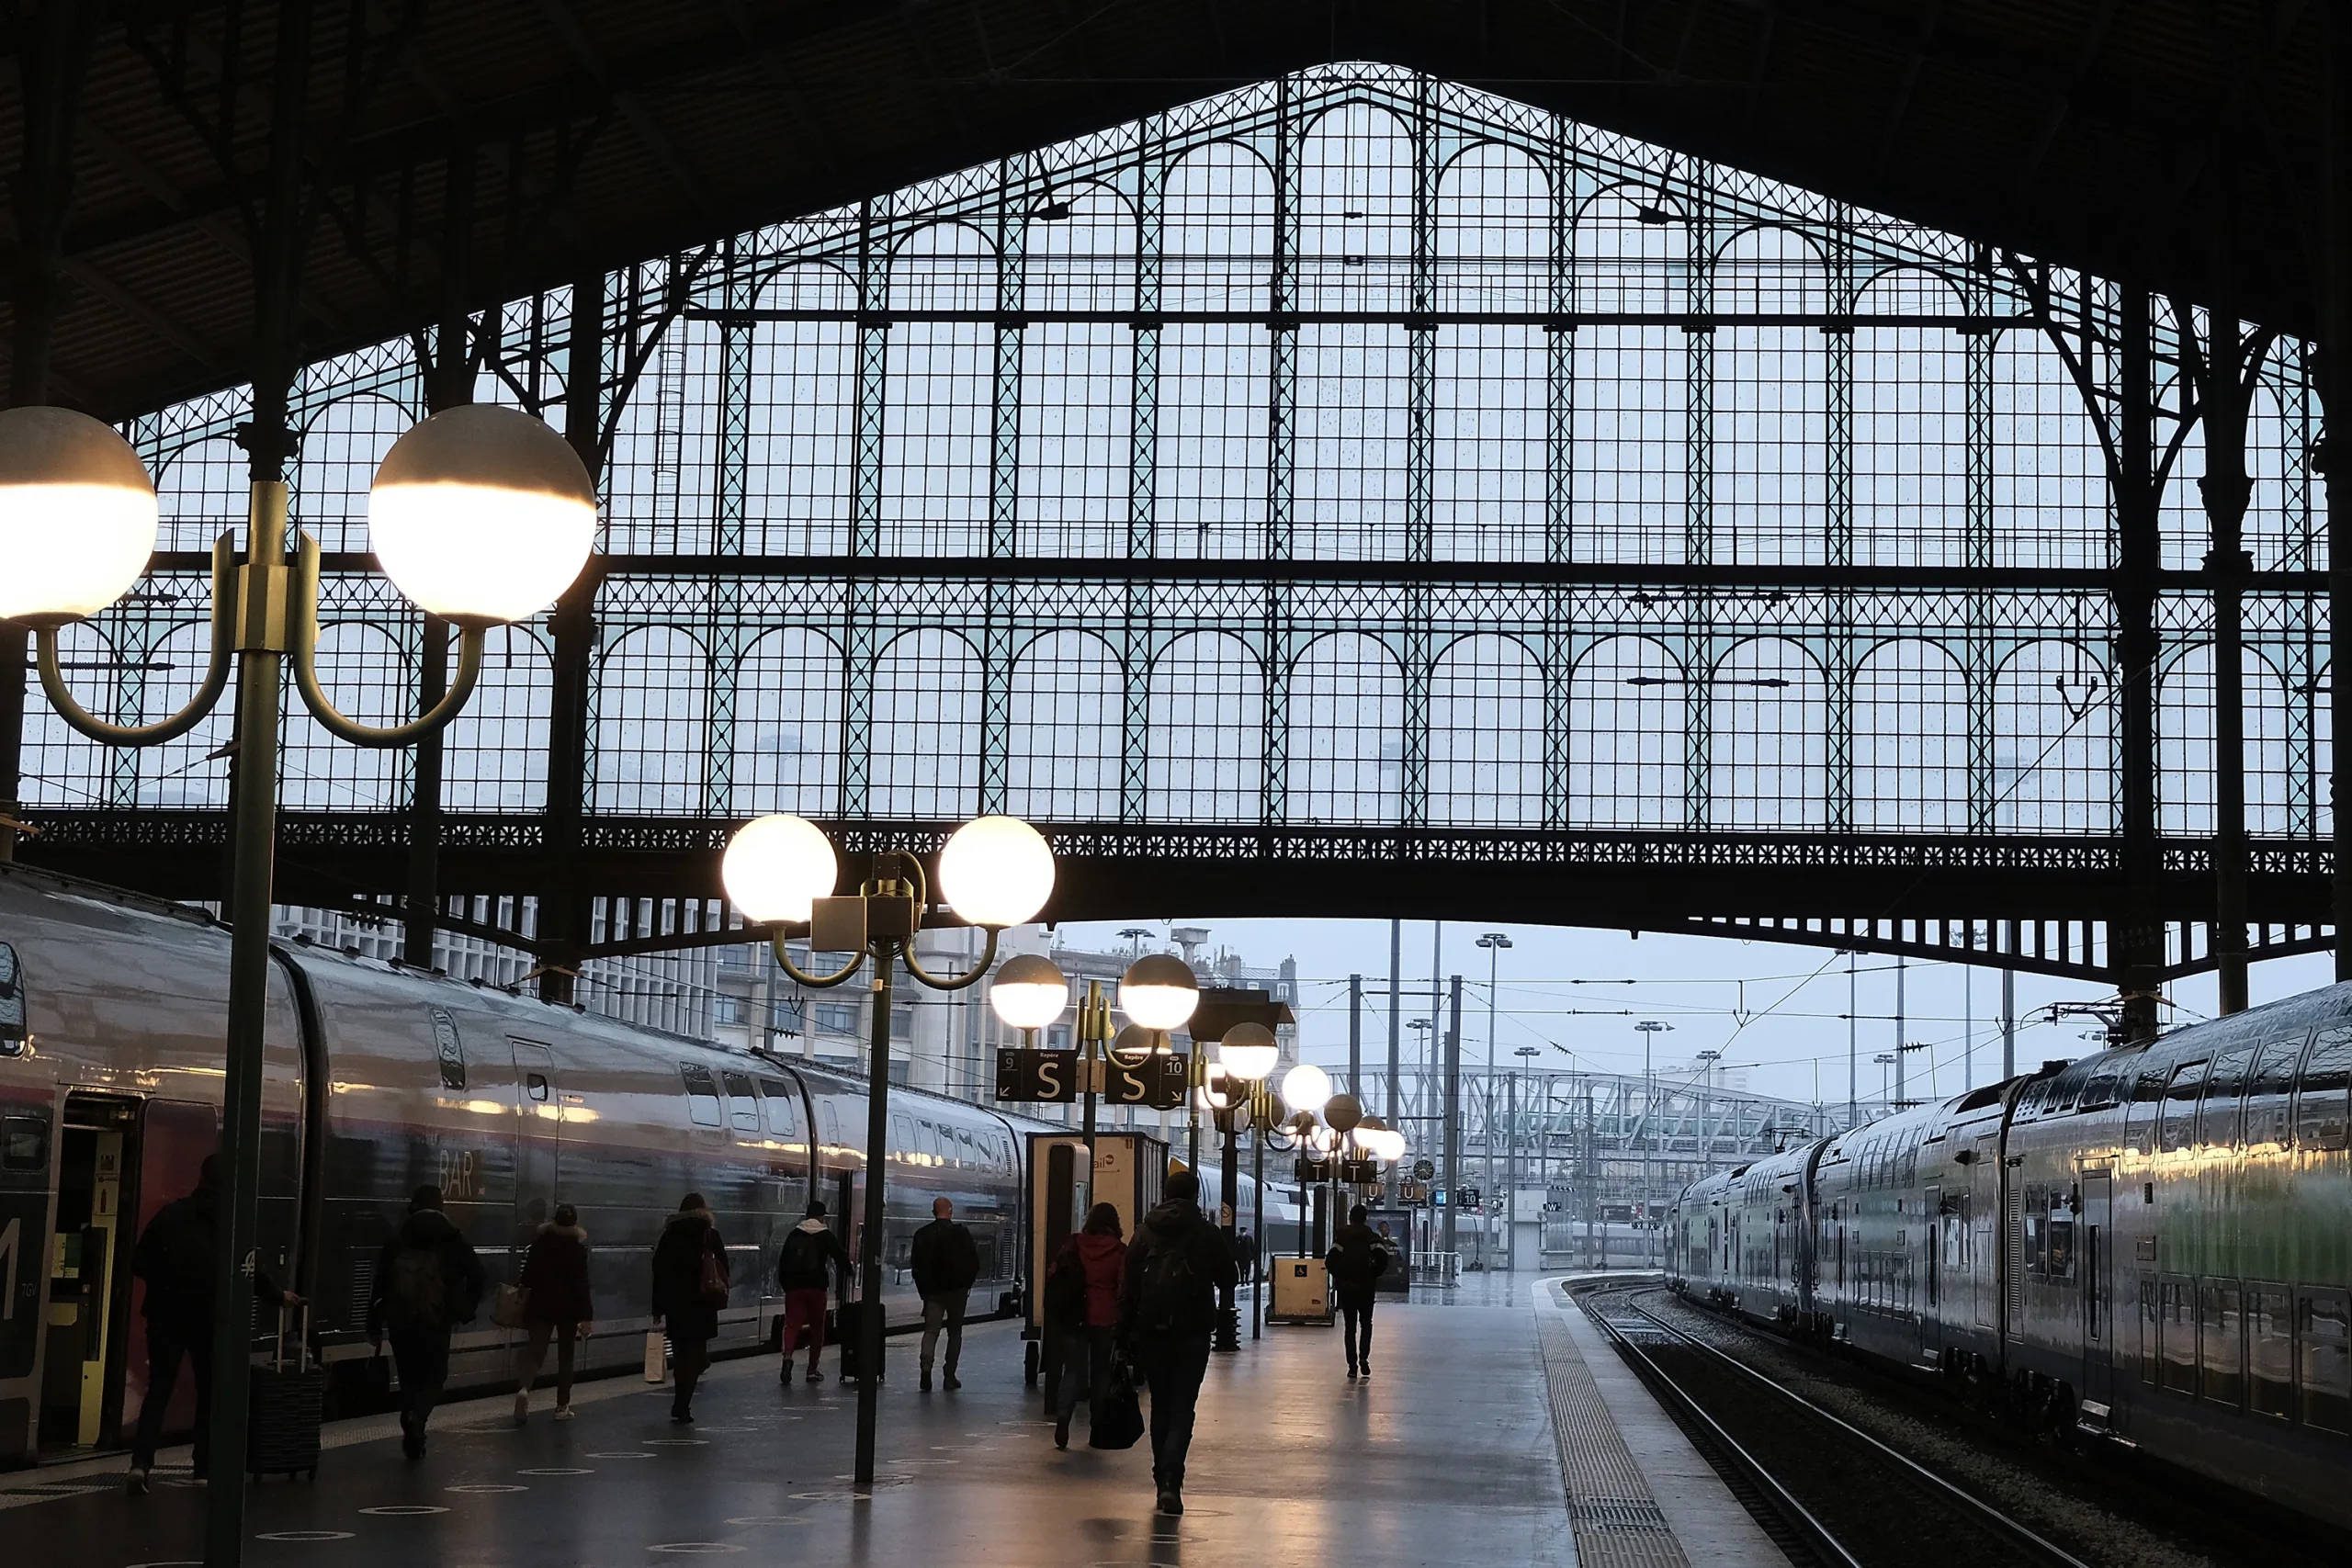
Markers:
<point>1118,1415</point>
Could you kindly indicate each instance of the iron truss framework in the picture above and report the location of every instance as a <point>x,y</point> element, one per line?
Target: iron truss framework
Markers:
<point>1354,494</point>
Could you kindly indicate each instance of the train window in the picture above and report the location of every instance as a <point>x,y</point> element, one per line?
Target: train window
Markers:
<point>832,1122</point>
<point>702,1095</point>
<point>2323,1354</point>
<point>2036,1214</point>
<point>2270,1351</point>
<point>2062,1248</point>
<point>448,1051</point>
<point>2319,1098</point>
<point>743,1110</point>
<point>783,1107</point>
<point>2269,1093</point>
<point>2180,1104</point>
<point>2147,1094</point>
<point>2221,1340</point>
<point>535,1086</point>
<point>24,1144</point>
<point>902,1134</point>
<point>2176,1336</point>
<point>2106,1087</point>
<point>2217,1117</point>
<point>965,1152</point>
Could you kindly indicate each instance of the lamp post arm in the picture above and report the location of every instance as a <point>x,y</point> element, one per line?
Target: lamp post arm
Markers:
<point>956,983</point>
<point>302,617</point>
<point>814,982</point>
<point>216,674</point>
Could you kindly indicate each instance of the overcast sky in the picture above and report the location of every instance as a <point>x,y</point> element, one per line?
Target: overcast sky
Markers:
<point>1777,1009</point>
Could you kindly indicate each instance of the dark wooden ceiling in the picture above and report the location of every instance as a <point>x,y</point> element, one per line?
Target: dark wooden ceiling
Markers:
<point>2103,134</point>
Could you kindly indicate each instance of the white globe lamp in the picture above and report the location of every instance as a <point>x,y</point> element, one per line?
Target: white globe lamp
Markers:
<point>481,514</point>
<point>1159,991</point>
<point>1029,992</point>
<point>1248,1051</point>
<point>1307,1087</point>
<point>77,515</point>
<point>776,867</point>
<point>996,871</point>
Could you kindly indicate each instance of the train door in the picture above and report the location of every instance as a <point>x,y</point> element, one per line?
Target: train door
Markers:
<point>174,1137</point>
<point>1933,1220</point>
<point>2099,1293</point>
<point>538,1137</point>
<point>1983,1204</point>
<point>86,1348</point>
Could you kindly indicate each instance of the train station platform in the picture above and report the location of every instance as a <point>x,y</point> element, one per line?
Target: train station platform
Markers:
<point>1455,1451</point>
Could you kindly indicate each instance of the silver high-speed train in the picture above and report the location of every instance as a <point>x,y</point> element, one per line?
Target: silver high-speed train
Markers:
<point>2152,1244</point>
<point>381,1078</point>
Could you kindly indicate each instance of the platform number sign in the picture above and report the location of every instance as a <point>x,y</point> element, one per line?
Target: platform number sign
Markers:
<point>1038,1078</point>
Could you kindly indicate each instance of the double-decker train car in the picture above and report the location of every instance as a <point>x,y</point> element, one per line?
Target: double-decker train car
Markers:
<point>2152,1244</point>
<point>381,1078</point>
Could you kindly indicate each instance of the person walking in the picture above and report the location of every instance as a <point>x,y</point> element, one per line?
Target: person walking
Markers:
<point>946,1263</point>
<point>800,1273</point>
<point>174,1258</point>
<point>1359,1256</point>
<point>1168,1297</point>
<point>691,1282</point>
<point>1083,1305</point>
<point>558,1306</point>
<point>427,1282</point>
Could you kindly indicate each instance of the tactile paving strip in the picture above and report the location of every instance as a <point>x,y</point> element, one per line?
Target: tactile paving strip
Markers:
<point>1610,1507</point>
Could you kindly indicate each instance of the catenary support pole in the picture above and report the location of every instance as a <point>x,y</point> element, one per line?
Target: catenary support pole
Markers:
<point>1395,1109</point>
<point>1452,1115</point>
<point>2008,1023</point>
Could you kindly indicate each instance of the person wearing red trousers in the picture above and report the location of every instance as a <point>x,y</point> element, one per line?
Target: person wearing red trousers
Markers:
<point>800,1273</point>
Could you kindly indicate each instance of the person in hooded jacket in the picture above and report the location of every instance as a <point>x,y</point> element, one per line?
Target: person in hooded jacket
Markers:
<point>175,1259</point>
<point>810,1250</point>
<point>1168,1296</point>
<point>1359,1256</point>
<point>691,1281</point>
<point>427,1282</point>
<point>1086,1275</point>
<point>557,1305</point>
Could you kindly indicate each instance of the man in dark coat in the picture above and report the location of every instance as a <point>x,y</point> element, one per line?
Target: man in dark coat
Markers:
<point>427,1282</point>
<point>946,1262</point>
<point>1359,1256</point>
<point>176,1257</point>
<point>811,1251</point>
<point>691,1282</point>
<point>1167,1299</point>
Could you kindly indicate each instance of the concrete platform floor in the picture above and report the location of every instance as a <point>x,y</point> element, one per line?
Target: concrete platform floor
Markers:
<point>1447,1456</point>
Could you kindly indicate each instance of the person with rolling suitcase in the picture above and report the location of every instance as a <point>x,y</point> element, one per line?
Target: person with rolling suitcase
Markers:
<point>810,1251</point>
<point>174,1261</point>
<point>427,1282</point>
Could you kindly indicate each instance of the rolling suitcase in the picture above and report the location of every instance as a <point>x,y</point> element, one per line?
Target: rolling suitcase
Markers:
<point>288,1399</point>
<point>851,1317</point>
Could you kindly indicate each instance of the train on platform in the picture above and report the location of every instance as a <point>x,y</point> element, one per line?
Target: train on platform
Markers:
<point>381,1078</point>
<point>2152,1244</point>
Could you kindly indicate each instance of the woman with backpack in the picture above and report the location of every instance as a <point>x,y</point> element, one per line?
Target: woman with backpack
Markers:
<point>1082,1306</point>
<point>556,1305</point>
<point>691,1282</point>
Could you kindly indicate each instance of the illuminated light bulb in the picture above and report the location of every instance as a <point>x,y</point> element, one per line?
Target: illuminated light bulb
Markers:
<point>481,514</point>
<point>1307,1087</point>
<point>776,867</point>
<point>77,515</point>
<point>1248,1051</point>
<point>1029,992</point>
<point>1159,991</point>
<point>996,871</point>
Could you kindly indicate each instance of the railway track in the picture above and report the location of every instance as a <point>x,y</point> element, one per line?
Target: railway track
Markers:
<point>1830,1495</point>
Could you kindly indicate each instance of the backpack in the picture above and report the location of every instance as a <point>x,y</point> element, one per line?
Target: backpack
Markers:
<point>1170,1295</point>
<point>1066,1291</point>
<point>795,1258</point>
<point>420,1290</point>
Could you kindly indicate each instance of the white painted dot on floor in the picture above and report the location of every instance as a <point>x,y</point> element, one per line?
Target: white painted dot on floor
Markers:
<point>696,1547</point>
<point>486,1488</point>
<point>564,1469</point>
<point>305,1535</point>
<point>677,1442</point>
<point>632,1453</point>
<point>178,1563</point>
<point>744,1519</point>
<point>404,1510</point>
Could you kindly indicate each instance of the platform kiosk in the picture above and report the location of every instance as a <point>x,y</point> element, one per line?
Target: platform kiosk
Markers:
<point>1129,1172</point>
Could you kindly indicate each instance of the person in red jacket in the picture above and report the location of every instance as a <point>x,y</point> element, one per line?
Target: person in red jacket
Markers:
<point>1082,1301</point>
